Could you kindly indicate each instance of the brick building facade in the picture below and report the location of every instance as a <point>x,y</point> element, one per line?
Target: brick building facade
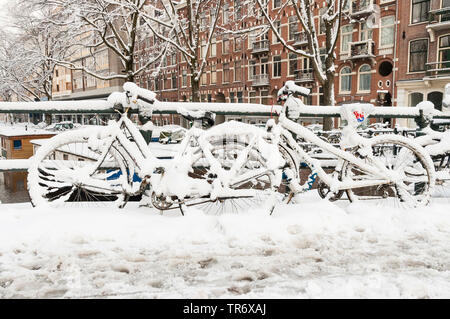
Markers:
<point>373,57</point>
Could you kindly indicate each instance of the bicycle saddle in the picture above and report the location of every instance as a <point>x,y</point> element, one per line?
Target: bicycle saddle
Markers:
<point>206,117</point>
<point>291,88</point>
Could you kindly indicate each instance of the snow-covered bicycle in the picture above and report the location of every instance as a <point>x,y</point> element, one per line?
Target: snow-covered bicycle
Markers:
<point>231,166</point>
<point>388,167</point>
<point>437,144</point>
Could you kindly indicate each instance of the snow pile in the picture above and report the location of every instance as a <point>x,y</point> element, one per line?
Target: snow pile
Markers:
<point>313,250</point>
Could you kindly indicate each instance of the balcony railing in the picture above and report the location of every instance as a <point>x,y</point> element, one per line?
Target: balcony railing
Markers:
<point>362,8</point>
<point>362,49</point>
<point>260,80</point>
<point>304,76</point>
<point>439,16</point>
<point>260,46</point>
<point>300,38</point>
<point>438,69</point>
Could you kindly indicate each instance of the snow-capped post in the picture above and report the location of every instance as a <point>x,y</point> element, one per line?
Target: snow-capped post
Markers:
<point>113,24</point>
<point>189,27</point>
<point>322,59</point>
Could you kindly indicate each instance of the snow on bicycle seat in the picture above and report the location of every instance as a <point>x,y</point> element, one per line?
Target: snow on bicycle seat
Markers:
<point>291,87</point>
<point>356,114</point>
<point>197,115</point>
<point>139,93</point>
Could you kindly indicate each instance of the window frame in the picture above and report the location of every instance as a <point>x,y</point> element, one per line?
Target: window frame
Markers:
<point>277,65</point>
<point>380,35</point>
<point>412,10</point>
<point>359,79</point>
<point>17,148</point>
<point>341,75</point>
<point>409,55</point>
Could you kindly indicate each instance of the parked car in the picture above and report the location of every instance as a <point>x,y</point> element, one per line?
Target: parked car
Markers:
<point>172,135</point>
<point>61,126</point>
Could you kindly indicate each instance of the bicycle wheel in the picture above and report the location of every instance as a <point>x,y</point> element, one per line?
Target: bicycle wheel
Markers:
<point>287,195</point>
<point>442,166</point>
<point>262,188</point>
<point>408,162</point>
<point>67,171</point>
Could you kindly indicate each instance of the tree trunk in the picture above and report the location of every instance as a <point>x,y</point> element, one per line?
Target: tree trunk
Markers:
<point>195,87</point>
<point>129,70</point>
<point>328,99</point>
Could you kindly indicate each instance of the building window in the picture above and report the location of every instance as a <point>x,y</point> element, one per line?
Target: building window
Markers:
<point>265,98</point>
<point>203,49</point>
<point>226,46</point>
<point>254,98</point>
<point>232,97</point>
<point>183,78</point>
<point>204,79</point>
<point>277,66</point>
<point>444,52</point>
<point>445,16</point>
<point>293,65</point>
<point>366,32</point>
<point>265,65</point>
<point>213,47</point>
<point>226,72</point>
<point>237,10</point>
<point>387,31</point>
<point>418,51</point>
<point>225,13</point>
<point>346,6</point>
<point>17,144</point>
<point>322,27</point>
<point>277,25</point>
<point>420,9</point>
<point>293,27</point>
<point>174,81</point>
<point>252,69</point>
<point>65,157</point>
<point>415,98</point>
<point>238,44</point>
<point>237,71</point>
<point>346,80</point>
<point>213,74</point>
<point>276,3</point>
<point>346,37</point>
<point>365,78</point>
<point>239,97</point>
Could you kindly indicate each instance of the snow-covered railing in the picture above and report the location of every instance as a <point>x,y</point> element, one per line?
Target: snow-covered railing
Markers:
<point>103,107</point>
<point>244,109</point>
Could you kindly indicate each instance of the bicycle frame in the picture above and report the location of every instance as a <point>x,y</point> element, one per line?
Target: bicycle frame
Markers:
<point>377,170</point>
<point>147,163</point>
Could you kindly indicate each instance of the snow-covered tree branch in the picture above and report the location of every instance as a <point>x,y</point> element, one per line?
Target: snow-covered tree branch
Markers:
<point>117,25</point>
<point>316,22</point>
<point>27,52</point>
<point>189,27</point>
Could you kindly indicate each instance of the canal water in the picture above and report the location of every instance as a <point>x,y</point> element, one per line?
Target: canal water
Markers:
<point>8,195</point>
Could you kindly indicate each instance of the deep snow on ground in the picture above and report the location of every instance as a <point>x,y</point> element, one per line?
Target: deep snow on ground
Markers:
<point>315,249</point>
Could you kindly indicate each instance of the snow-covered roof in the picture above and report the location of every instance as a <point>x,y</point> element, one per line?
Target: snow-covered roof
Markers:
<point>19,129</point>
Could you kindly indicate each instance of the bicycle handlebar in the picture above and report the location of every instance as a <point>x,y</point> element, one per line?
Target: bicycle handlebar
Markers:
<point>145,99</point>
